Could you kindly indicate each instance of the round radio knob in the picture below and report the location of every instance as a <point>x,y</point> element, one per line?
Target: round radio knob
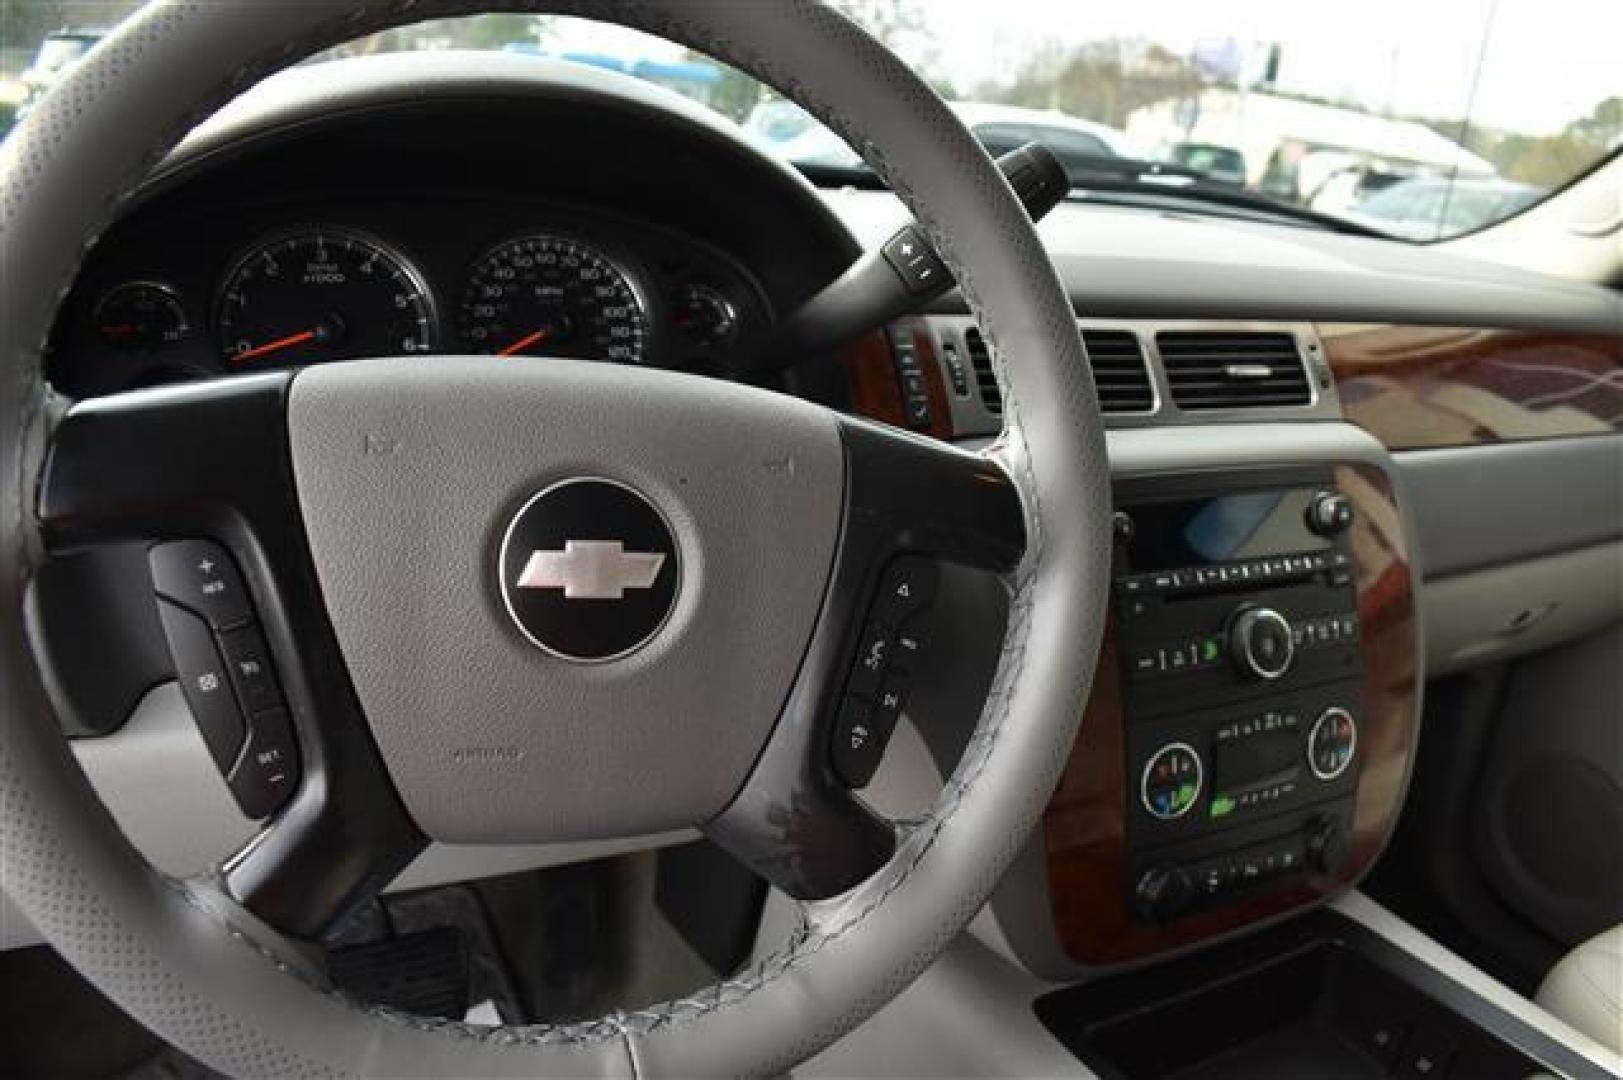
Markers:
<point>1326,845</point>
<point>1330,513</point>
<point>1260,642</point>
<point>1162,893</point>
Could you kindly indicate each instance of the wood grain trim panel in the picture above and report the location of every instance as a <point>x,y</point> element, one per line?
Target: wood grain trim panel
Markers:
<point>876,390</point>
<point>1084,828</point>
<point>1419,387</point>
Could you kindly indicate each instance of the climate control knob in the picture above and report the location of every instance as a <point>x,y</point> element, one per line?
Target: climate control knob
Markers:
<point>1332,743</point>
<point>1171,781</point>
<point>1162,893</point>
<point>1260,642</point>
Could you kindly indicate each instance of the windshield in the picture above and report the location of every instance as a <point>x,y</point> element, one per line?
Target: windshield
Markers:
<point>1417,121</point>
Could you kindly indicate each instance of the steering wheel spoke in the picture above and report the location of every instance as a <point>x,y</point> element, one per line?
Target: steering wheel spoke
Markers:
<point>201,473</point>
<point>911,504</point>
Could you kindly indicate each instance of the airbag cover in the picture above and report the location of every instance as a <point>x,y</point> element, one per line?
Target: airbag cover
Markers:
<point>409,473</point>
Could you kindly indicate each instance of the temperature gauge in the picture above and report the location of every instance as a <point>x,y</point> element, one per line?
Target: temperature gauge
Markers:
<point>141,317</point>
<point>703,315</point>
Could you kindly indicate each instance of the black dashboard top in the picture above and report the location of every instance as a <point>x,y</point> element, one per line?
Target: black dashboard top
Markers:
<point>405,205</point>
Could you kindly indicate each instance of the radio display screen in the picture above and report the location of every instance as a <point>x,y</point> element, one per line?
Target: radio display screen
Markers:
<point>1225,528</point>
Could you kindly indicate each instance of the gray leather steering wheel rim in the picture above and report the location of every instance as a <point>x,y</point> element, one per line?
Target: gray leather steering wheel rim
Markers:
<point>202,973</point>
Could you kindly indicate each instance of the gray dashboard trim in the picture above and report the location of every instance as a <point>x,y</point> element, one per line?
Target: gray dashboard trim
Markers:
<point>1126,263</point>
<point>1482,506</point>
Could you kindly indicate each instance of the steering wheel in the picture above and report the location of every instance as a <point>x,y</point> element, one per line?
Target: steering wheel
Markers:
<point>401,531</point>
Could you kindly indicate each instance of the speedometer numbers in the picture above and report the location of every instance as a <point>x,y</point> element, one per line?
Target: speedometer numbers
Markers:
<point>318,296</point>
<point>552,296</point>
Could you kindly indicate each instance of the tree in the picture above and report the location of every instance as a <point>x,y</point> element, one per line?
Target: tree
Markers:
<point>1100,80</point>
<point>1543,160</point>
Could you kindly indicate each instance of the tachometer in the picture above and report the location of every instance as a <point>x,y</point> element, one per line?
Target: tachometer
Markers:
<point>318,296</point>
<point>552,296</point>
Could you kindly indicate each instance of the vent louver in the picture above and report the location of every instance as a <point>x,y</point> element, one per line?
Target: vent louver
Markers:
<point>980,358</point>
<point>1119,371</point>
<point>1216,370</point>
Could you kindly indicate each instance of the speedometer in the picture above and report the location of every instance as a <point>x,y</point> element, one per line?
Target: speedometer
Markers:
<point>552,296</point>
<point>321,295</point>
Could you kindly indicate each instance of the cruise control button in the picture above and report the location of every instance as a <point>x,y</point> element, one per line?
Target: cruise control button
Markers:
<point>268,770</point>
<point>873,657</point>
<point>204,683</point>
<point>907,587</point>
<point>249,662</point>
<point>200,576</point>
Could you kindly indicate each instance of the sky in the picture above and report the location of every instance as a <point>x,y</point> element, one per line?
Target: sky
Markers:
<point>1546,62</point>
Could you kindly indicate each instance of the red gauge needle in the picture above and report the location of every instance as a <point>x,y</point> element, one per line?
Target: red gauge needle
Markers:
<point>274,346</point>
<point>525,342</point>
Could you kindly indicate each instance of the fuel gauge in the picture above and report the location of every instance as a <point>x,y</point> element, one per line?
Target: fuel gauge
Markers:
<point>140,317</point>
<point>704,316</point>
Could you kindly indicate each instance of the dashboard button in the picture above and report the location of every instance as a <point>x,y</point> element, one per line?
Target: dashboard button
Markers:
<point>200,576</point>
<point>204,683</point>
<point>268,770</point>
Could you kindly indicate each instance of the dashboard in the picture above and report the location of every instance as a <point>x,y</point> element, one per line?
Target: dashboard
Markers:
<point>424,206</point>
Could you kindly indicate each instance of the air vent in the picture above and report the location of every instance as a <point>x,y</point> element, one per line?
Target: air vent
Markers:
<point>1233,370</point>
<point>980,358</point>
<point>1119,371</point>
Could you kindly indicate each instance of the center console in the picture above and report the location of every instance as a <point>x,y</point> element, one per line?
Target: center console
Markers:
<point>1252,722</point>
<point>1238,634</point>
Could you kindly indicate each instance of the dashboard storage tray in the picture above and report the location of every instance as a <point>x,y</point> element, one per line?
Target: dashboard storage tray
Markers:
<point>1321,996</point>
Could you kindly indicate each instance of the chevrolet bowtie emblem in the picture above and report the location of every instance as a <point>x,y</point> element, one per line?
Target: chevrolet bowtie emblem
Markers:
<point>591,570</point>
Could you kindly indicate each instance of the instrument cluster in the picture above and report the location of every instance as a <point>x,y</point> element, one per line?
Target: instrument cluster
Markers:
<point>236,296</point>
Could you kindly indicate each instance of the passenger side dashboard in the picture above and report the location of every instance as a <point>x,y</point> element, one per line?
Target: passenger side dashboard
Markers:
<point>1382,410</point>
